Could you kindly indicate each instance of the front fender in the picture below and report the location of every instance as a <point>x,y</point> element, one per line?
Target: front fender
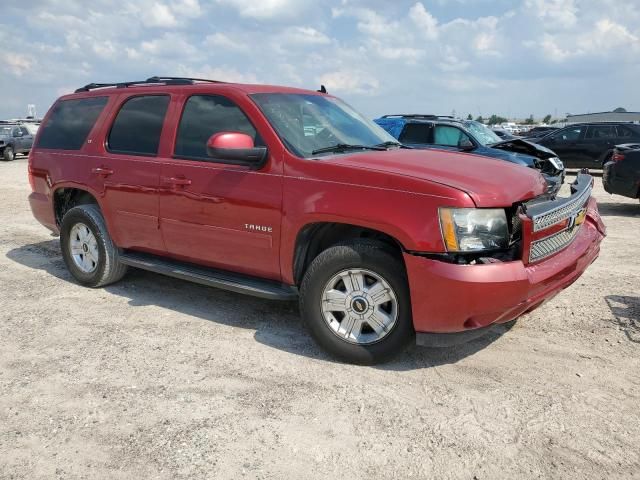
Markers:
<point>410,218</point>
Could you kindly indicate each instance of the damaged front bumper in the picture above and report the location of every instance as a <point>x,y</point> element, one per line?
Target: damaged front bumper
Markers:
<point>456,302</point>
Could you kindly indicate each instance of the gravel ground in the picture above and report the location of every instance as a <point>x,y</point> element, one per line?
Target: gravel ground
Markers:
<point>159,378</point>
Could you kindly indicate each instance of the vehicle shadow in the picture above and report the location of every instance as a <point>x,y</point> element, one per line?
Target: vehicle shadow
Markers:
<point>626,311</point>
<point>276,324</point>
<point>610,209</point>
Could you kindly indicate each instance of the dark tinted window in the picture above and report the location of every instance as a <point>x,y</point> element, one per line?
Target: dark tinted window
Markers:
<point>24,131</point>
<point>70,122</point>
<point>415,133</point>
<point>567,134</point>
<point>601,131</point>
<point>628,132</point>
<point>138,125</point>
<point>205,115</point>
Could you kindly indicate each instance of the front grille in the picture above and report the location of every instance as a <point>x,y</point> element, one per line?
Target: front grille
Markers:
<point>551,217</point>
<point>548,246</point>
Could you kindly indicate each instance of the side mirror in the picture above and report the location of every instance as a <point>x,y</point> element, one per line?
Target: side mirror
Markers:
<point>466,145</point>
<point>236,147</point>
<point>18,133</point>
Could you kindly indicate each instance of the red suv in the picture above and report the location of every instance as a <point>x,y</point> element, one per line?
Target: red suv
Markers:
<point>285,193</point>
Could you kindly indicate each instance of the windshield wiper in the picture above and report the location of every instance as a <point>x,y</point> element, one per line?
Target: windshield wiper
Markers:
<point>343,147</point>
<point>388,144</point>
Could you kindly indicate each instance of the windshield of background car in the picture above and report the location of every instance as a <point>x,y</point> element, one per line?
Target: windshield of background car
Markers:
<point>483,134</point>
<point>306,123</point>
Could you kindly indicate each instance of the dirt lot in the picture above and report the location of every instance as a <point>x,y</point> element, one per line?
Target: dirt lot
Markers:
<point>159,378</point>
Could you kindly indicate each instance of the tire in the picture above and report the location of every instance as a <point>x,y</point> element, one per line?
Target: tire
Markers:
<point>84,232</point>
<point>8,154</point>
<point>377,264</point>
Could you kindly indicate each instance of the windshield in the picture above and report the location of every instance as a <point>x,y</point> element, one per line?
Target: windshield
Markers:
<point>482,133</point>
<point>5,130</point>
<point>308,123</point>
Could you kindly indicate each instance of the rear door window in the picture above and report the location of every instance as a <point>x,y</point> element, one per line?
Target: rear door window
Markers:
<point>137,128</point>
<point>416,133</point>
<point>205,115</point>
<point>70,122</point>
<point>601,132</point>
<point>626,132</point>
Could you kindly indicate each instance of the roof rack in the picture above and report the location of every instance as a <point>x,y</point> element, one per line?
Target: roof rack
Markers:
<point>150,80</point>
<point>419,115</point>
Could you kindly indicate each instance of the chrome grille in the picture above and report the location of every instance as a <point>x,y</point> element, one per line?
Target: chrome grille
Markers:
<point>548,246</point>
<point>545,220</point>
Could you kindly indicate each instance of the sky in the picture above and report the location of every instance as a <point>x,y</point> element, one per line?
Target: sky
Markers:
<point>509,57</point>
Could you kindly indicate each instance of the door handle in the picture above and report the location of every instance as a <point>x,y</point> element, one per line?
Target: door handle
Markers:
<point>178,182</point>
<point>102,171</point>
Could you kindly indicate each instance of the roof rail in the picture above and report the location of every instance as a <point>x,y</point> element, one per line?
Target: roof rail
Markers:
<point>418,115</point>
<point>150,80</point>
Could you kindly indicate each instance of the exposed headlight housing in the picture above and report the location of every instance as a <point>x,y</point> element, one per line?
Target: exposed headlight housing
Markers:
<point>474,229</point>
<point>557,163</point>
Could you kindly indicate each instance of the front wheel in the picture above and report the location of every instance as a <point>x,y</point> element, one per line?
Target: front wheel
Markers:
<point>8,154</point>
<point>87,248</point>
<point>355,301</point>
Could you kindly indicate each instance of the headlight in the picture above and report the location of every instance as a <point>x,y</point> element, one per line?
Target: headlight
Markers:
<point>474,229</point>
<point>557,163</point>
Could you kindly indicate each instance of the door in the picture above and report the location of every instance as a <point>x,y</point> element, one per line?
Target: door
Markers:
<point>18,140</point>
<point>26,140</point>
<point>213,212</point>
<point>128,171</point>
<point>450,138</point>
<point>569,144</point>
<point>599,140</point>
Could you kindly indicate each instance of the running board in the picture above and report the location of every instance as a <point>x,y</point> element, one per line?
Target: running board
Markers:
<point>233,282</point>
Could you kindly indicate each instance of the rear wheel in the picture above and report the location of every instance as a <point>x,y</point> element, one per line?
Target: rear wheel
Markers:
<point>87,248</point>
<point>355,302</point>
<point>8,154</point>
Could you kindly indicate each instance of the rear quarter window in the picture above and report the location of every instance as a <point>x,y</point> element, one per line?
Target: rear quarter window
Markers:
<point>70,122</point>
<point>416,133</point>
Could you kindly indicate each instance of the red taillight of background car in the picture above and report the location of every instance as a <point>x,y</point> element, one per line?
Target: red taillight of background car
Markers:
<point>617,156</point>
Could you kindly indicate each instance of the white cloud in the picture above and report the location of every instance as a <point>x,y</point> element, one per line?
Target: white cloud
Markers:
<point>159,15</point>
<point>305,36</point>
<point>555,13</point>
<point>223,40</point>
<point>265,9</point>
<point>17,64</point>
<point>223,74</point>
<point>350,81</point>
<point>426,22</point>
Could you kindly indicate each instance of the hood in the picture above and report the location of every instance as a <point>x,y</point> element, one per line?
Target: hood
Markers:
<point>489,182</point>
<point>525,147</point>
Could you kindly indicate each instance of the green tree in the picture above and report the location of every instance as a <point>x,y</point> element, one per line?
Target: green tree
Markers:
<point>480,119</point>
<point>469,117</point>
<point>495,119</point>
<point>546,119</point>
<point>529,121</point>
